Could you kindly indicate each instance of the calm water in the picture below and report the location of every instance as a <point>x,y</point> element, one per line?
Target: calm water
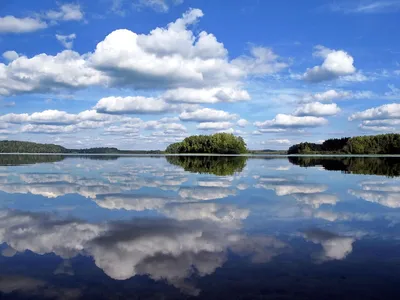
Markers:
<point>199,227</point>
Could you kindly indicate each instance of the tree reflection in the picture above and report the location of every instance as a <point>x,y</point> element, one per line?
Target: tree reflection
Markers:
<point>388,166</point>
<point>217,165</point>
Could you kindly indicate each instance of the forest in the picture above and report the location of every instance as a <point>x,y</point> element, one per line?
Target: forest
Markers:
<point>375,144</point>
<point>219,143</point>
<point>29,147</point>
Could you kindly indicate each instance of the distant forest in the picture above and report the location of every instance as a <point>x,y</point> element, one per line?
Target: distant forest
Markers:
<point>219,143</point>
<point>376,144</point>
<point>29,147</point>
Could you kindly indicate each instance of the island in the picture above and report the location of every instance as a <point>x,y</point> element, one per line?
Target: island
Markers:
<point>219,143</point>
<point>374,144</point>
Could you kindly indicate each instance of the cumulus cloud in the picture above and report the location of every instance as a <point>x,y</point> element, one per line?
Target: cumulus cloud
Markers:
<point>242,123</point>
<point>214,125</point>
<point>336,63</point>
<point>54,117</point>
<point>386,111</point>
<point>262,61</point>
<point>66,40</point>
<point>377,128</point>
<point>10,55</point>
<point>167,57</point>
<point>290,121</point>
<point>317,109</point>
<point>46,73</point>
<point>326,96</point>
<point>277,141</point>
<point>211,95</point>
<point>189,67</point>
<point>207,115</point>
<point>157,5</point>
<point>131,105</point>
<point>11,24</point>
<point>66,12</point>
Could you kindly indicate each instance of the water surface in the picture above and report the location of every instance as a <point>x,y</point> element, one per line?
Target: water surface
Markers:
<point>105,227</point>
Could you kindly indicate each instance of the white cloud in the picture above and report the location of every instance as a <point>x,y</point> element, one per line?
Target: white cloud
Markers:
<point>384,122</point>
<point>377,128</point>
<point>48,129</point>
<point>54,117</point>
<point>317,109</point>
<point>167,57</point>
<point>242,123</point>
<point>289,121</point>
<point>11,24</point>
<point>336,63</point>
<point>66,12</point>
<point>214,125</point>
<point>278,141</point>
<point>157,5</point>
<point>262,61</point>
<point>192,67</point>
<point>207,115</point>
<point>46,73</point>
<point>211,95</point>
<point>66,40</point>
<point>10,55</point>
<point>386,111</point>
<point>327,96</point>
<point>131,105</point>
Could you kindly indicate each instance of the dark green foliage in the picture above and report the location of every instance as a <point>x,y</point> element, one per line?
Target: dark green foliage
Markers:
<point>217,165</point>
<point>376,144</point>
<point>28,147</point>
<point>219,143</point>
<point>388,166</point>
<point>16,160</point>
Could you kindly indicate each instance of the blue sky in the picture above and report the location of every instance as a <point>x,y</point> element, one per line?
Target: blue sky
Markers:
<point>142,74</point>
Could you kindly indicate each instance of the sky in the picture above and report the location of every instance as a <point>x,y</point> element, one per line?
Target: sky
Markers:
<point>141,74</point>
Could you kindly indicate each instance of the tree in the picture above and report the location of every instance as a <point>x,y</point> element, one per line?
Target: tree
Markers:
<point>219,143</point>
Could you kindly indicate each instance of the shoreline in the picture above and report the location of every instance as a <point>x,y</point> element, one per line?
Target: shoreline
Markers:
<point>205,154</point>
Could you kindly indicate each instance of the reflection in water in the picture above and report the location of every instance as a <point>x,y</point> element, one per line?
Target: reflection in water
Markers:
<point>217,165</point>
<point>388,166</point>
<point>164,249</point>
<point>334,246</point>
<point>16,160</point>
<point>143,228</point>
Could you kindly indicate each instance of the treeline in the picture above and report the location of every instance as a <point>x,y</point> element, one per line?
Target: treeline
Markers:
<point>219,143</point>
<point>30,147</point>
<point>376,144</point>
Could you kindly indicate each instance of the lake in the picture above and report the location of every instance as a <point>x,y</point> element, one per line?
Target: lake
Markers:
<point>108,227</point>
